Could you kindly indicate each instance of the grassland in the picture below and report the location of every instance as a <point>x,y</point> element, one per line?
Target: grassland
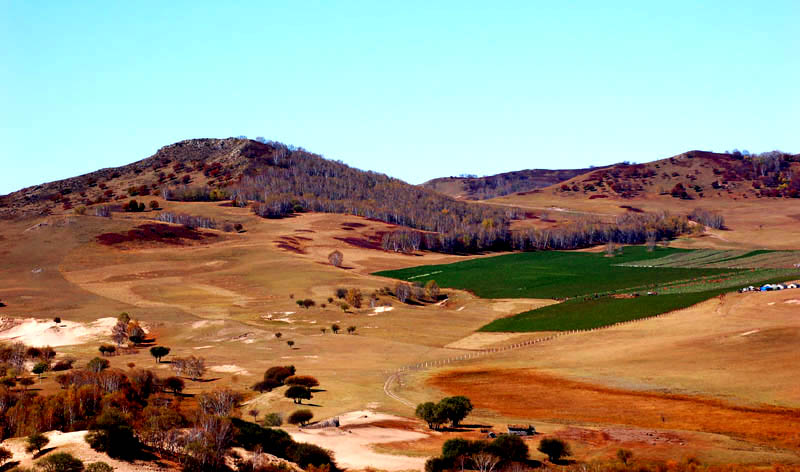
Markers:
<point>588,281</point>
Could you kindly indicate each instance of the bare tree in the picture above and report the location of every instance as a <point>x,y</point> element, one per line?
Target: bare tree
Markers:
<point>402,291</point>
<point>219,402</point>
<point>485,462</point>
<point>336,258</point>
<point>119,333</point>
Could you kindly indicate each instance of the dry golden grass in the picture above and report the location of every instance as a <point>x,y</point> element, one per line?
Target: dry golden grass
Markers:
<point>215,299</point>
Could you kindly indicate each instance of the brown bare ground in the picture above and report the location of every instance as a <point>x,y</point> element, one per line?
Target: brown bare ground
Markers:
<point>527,393</point>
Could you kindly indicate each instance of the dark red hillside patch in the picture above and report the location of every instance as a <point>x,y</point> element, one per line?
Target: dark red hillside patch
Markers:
<point>372,241</point>
<point>156,233</point>
<point>352,224</point>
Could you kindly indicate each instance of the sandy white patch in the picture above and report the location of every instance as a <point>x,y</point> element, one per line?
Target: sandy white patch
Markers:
<point>74,444</point>
<point>228,369</point>
<point>203,347</point>
<point>36,332</point>
<point>793,301</point>
<point>351,446</point>
<point>748,333</point>
<point>205,323</point>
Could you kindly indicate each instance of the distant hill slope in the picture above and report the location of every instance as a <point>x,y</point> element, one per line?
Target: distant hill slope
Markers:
<point>692,175</point>
<point>483,188</point>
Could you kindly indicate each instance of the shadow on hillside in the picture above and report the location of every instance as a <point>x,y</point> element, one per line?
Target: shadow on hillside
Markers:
<point>9,465</point>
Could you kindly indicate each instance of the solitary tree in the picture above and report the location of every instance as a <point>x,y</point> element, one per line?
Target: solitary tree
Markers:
<point>35,443</point>
<point>554,448</point>
<point>107,349</point>
<point>354,297</point>
<point>351,329</point>
<point>432,290</point>
<point>302,380</point>
<point>298,393</point>
<point>136,333</point>
<point>624,455</point>
<point>301,417</point>
<point>335,328</point>
<point>336,258</point>
<point>158,352</point>
<point>98,365</point>
<point>402,291</point>
<point>344,306</point>
<point>290,343</point>
<point>456,408</point>
<point>113,434</point>
<point>432,414</point>
<point>254,414</point>
<point>278,335</point>
<point>26,382</point>
<point>40,368</point>
<point>175,384</point>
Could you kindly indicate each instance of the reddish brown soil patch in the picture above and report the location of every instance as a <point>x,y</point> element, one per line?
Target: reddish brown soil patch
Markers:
<point>595,197</point>
<point>526,393</point>
<point>155,233</point>
<point>291,244</point>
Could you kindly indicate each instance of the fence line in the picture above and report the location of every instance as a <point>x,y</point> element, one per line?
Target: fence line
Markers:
<point>423,365</point>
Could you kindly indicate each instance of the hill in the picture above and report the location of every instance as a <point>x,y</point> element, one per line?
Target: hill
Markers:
<point>694,175</point>
<point>276,181</point>
<point>483,188</point>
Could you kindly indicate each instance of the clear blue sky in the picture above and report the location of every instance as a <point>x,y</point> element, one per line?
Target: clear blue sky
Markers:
<point>405,88</point>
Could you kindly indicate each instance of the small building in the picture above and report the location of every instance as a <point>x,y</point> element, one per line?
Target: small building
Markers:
<point>791,286</point>
<point>521,430</point>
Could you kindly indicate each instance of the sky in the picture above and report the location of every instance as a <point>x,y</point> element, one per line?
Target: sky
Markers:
<point>415,90</point>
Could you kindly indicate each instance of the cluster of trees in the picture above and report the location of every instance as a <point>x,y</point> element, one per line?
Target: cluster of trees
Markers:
<point>405,291</point>
<point>134,206</point>
<point>482,188</point>
<point>190,221</point>
<point>193,367</point>
<point>459,454</point>
<point>505,452</point>
<point>452,409</point>
<point>127,329</point>
<point>707,218</point>
<point>300,386</point>
<point>126,412</point>
<point>629,228</point>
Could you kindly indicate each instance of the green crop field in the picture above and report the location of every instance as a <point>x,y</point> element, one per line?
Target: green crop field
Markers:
<point>552,274</point>
<point>586,280</point>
